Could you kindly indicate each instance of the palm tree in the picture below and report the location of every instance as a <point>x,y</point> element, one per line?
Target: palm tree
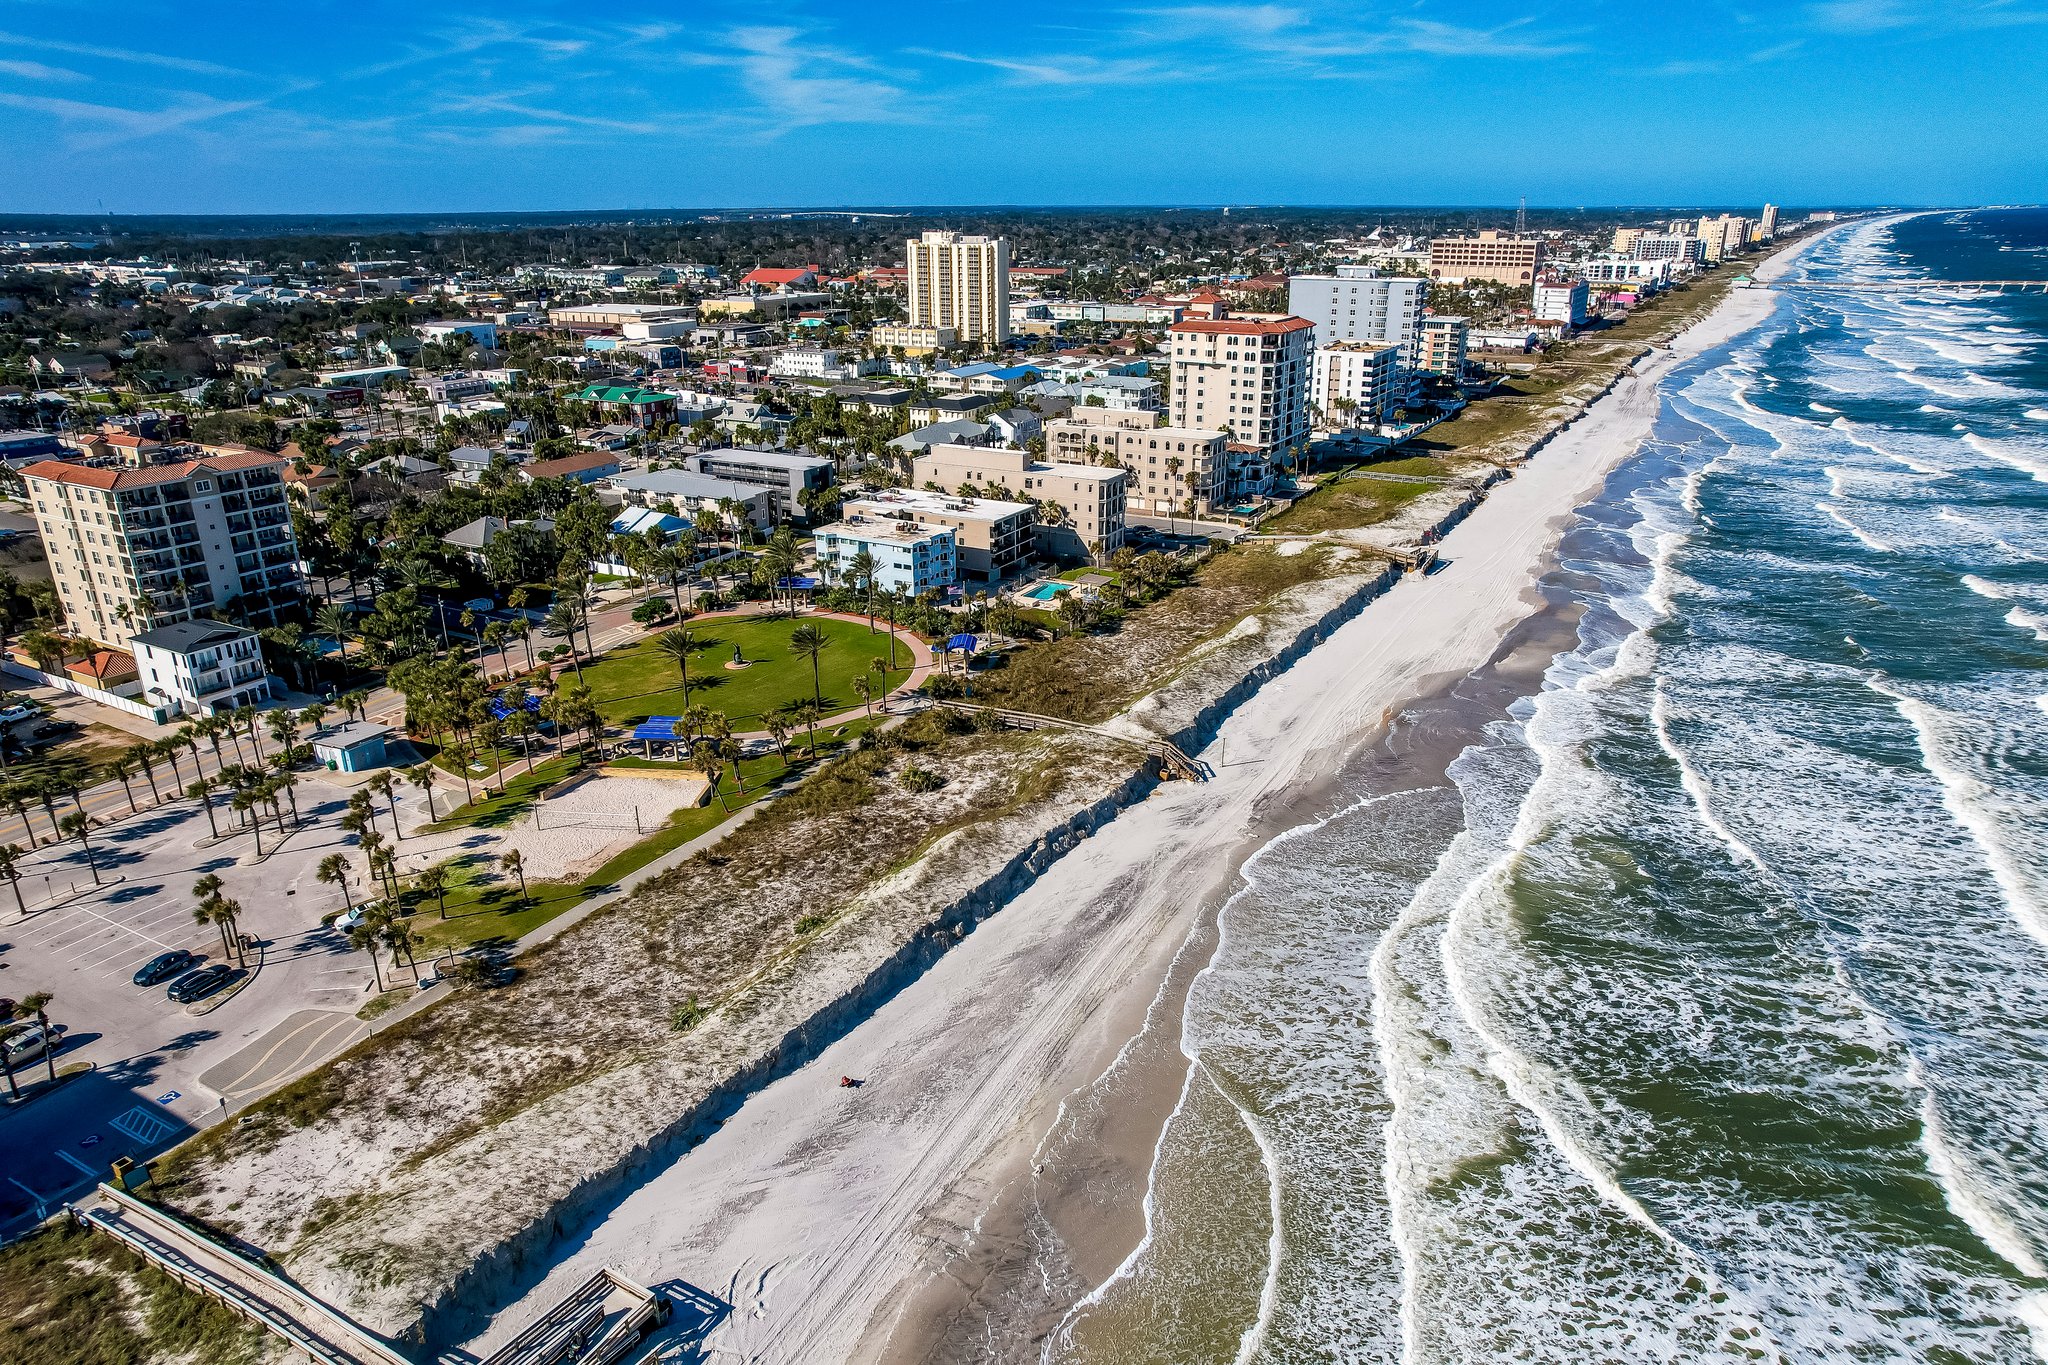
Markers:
<point>776,723</point>
<point>862,570</point>
<point>729,750</point>
<point>335,622</point>
<point>47,790</point>
<point>140,754</point>
<point>807,639</point>
<point>17,796</point>
<point>364,936</point>
<point>38,1006</point>
<point>333,870</point>
<point>10,868</point>
<point>356,704</point>
<point>433,881</point>
<point>122,771</point>
<point>808,715</point>
<point>867,693</point>
<point>202,792</point>
<point>245,717</point>
<point>77,826</point>
<point>516,865</point>
<point>423,778</point>
<point>386,786</point>
<point>243,804</point>
<point>676,645</point>
<point>167,750</point>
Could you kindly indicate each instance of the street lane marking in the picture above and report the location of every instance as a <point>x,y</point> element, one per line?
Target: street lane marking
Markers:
<point>236,1084</point>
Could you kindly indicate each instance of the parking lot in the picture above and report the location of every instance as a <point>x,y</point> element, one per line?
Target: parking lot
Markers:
<point>158,1069</point>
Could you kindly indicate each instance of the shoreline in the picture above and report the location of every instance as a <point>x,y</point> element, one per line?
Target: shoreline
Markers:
<point>812,1211</point>
<point>1116,1154</point>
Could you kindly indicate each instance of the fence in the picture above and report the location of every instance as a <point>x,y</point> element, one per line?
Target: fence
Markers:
<point>65,683</point>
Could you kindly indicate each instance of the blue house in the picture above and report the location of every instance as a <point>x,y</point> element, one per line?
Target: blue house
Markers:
<point>353,748</point>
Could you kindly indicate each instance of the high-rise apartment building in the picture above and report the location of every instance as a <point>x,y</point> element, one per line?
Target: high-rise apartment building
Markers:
<point>1247,377</point>
<point>1724,236</point>
<point>131,548</point>
<point>1556,300</point>
<point>1767,225</point>
<point>1357,303</point>
<point>1444,343</point>
<point>1625,239</point>
<point>1686,248</point>
<point>960,282</point>
<point>1501,257</point>
<point>1357,382</point>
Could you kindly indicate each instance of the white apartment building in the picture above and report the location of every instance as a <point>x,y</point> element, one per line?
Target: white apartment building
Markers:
<point>961,282</point>
<point>1626,270</point>
<point>1092,498</point>
<point>199,667</point>
<point>1360,304</point>
<point>1248,378</point>
<point>1169,466</point>
<point>908,557</point>
<point>807,362</point>
<point>1356,383</point>
<point>1562,301</point>
<point>211,534</point>
<point>1767,224</point>
<point>1684,248</point>
<point>992,535</point>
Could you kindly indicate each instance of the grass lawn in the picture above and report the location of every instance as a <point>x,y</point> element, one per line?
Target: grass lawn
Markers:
<point>1347,503</point>
<point>491,810</point>
<point>637,680</point>
<point>484,906</point>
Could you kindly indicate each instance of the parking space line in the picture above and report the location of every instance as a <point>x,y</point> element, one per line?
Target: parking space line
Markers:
<point>88,910</point>
<point>89,1171</point>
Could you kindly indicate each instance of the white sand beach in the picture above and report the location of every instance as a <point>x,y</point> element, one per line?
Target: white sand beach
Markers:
<point>813,1212</point>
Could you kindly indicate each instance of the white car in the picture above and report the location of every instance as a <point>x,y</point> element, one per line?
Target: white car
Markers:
<point>27,1045</point>
<point>351,919</point>
<point>14,715</point>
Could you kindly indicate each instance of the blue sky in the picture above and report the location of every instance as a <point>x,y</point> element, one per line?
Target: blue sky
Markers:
<point>369,105</point>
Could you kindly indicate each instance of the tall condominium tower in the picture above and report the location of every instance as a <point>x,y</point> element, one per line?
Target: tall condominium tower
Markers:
<point>960,282</point>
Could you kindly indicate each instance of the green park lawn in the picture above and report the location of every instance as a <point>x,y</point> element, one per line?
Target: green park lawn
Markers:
<point>484,905</point>
<point>637,680</point>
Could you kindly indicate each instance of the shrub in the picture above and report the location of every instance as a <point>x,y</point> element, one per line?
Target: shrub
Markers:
<point>918,779</point>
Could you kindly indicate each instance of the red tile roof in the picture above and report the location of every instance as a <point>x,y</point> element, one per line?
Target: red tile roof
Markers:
<point>1241,326</point>
<point>570,464</point>
<point>771,275</point>
<point>59,472</point>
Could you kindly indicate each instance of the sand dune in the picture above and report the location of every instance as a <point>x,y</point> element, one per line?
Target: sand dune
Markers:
<point>814,1212</point>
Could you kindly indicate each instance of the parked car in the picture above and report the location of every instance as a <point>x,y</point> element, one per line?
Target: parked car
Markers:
<point>14,715</point>
<point>27,1045</point>
<point>200,984</point>
<point>164,966</point>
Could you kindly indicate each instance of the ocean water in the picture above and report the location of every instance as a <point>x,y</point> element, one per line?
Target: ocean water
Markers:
<point>1700,1012</point>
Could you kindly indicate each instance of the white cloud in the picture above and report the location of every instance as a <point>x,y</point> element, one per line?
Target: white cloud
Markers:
<point>36,71</point>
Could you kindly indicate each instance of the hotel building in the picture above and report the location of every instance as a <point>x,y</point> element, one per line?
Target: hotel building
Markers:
<point>909,557</point>
<point>1498,256</point>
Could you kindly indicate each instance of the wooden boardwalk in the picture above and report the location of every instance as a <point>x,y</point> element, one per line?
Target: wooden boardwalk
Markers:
<point>1908,286</point>
<point>598,1323</point>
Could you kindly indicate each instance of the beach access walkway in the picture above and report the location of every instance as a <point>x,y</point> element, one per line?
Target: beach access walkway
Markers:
<point>597,1323</point>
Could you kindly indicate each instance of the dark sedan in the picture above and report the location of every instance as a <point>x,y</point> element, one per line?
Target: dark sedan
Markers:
<point>200,984</point>
<point>164,966</point>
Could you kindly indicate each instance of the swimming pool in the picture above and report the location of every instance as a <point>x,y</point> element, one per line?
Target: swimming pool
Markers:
<point>1045,592</point>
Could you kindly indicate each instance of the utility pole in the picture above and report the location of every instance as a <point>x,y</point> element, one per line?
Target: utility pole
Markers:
<point>1522,216</point>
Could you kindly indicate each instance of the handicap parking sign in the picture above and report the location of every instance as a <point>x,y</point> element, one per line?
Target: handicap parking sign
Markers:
<point>89,1140</point>
<point>167,1097</point>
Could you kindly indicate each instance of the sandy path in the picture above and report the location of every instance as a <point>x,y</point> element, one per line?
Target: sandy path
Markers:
<point>809,1209</point>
